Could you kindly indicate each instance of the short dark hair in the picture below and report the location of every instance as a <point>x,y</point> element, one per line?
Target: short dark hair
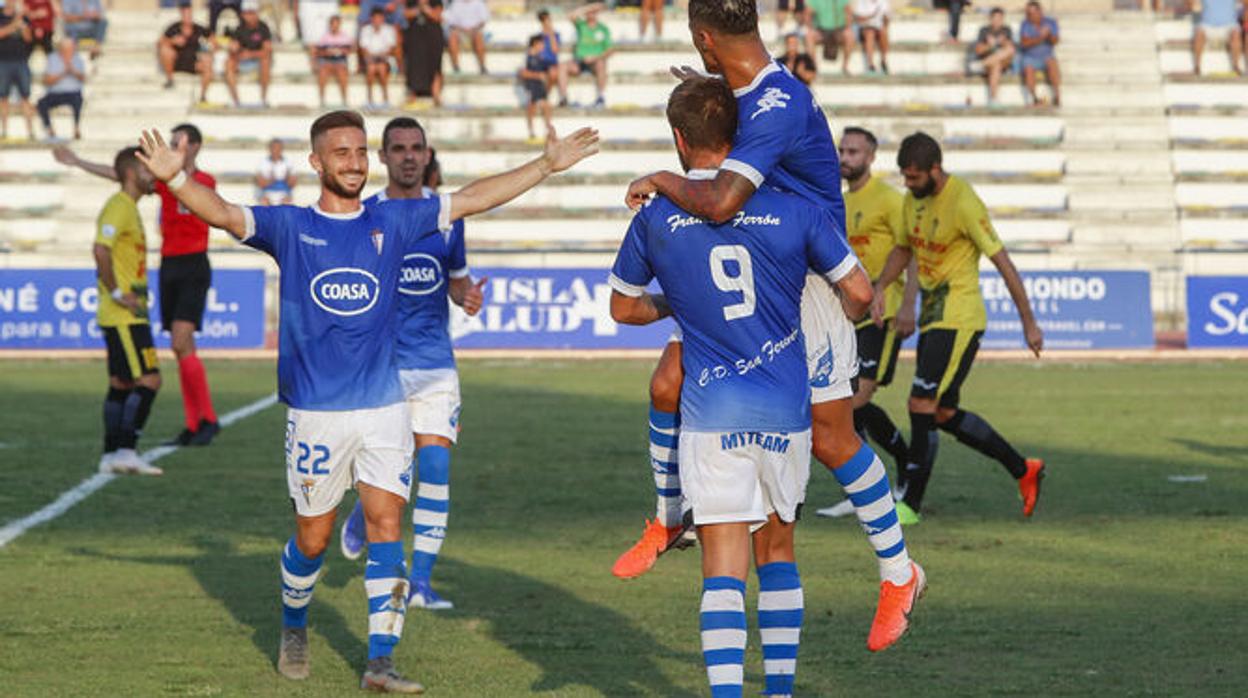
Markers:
<point>536,39</point>
<point>126,159</point>
<point>399,122</point>
<point>850,130</point>
<point>704,110</point>
<point>918,150</point>
<point>542,15</point>
<point>343,118</point>
<point>1035,4</point>
<point>997,11</point>
<point>377,10</point>
<point>725,16</point>
<point>193,136</point>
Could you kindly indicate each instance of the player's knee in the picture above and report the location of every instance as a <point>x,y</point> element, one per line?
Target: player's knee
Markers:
<point>150,381</point>
<point>664,393</point>
<point>832,448</point>
<point>944,414</point>
<point>922,405</point>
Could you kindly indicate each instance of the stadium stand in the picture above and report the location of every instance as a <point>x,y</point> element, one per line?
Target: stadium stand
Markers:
<point>1142,166</point>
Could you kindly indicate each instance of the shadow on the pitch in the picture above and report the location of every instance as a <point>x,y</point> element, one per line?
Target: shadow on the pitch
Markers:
<point>572,641</point>
<point>1209,449</point>
<point>238,582</point>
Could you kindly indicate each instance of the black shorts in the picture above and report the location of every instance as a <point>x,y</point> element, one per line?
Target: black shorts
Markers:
<point>798,5</point>
<point>536,90</point>
<point>186,62</point>
<point>131,351</point>
<point>945,358</point>
<point>877,352</point>
<point>184,282</point>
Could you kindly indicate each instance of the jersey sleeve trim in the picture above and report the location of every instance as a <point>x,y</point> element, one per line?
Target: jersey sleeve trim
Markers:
<point>250,224</point>
<point>458,273</point>
<point>444,211</point>
<point>843,269</point>
<point>624,288</point>
<point>745,170</point>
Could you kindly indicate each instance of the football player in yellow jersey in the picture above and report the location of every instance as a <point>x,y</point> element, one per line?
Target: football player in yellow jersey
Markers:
<point>873,211</point>
<point>946,230</point>
<point>121,270</point>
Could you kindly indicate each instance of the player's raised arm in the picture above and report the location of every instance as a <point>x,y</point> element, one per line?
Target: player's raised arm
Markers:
<point>166,164</point>
<point>496,190</point>
<point>713,199</point>
<point>65,156</point>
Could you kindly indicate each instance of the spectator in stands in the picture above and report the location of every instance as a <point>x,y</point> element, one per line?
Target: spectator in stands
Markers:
<point>1243,31</point>
<point>1217,17</point>
<point>552,43</point>
<point>534,78</point>
<point>798,63</point>
<point>1037,36</point>
<point>593,47</point>
<point>186,47</point>
<point>833,20</point>
<point>871,18</point>
<point>994,50</point>
<point>393,10</point>
<point>251,48</point>
<point>14,67</point>
<point>652,12</point>
<point>423,45</point>
<point>799,15</point>
<point>313,17</point>
<point>63,77</point>
<point>466,19</point>
<point>379,42</point>
<point>41,18</point>
<point>955,8</point>
<point>217,7</point>
<point>275,178</point>
<point>332,51</point>
<point>433,171</point>
<point>84,21</point>
<point>275,13</point>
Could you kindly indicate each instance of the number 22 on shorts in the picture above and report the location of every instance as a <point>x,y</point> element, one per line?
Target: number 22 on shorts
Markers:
<point>311,459</point>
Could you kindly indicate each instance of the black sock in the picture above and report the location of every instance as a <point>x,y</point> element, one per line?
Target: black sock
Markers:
<point>880,427</point>
<point>924,440</point>
<point>972,430</point>
<point>134,416</point>
<point>114,403</point>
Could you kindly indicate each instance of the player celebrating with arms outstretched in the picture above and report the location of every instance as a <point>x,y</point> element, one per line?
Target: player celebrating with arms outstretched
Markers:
<point>744,444</point>
<point>782,138</point>
<point>347,421</point>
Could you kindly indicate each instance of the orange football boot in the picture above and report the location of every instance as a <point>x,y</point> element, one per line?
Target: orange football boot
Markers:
<point>1029,485</point>
<point>892,616</point>
<point>655,540</point>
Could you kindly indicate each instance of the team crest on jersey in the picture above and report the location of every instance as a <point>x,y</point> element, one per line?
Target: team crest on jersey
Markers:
<point>345,291</point>
<point>421,274</point>
<point>773,98</point>
<point>378,238</point>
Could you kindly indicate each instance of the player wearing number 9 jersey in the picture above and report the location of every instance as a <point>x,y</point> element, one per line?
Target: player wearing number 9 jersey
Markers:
<point>735,289</point>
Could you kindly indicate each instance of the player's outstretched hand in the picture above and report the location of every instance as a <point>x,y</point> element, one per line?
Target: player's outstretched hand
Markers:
<point>474,297</point>
<point>1034,336</point>
<point>684,72</point>
<point>877,307</point>
<point>562,153</point>
<point>639,192</point>
<point>164,162</point>
<point>64,155</point>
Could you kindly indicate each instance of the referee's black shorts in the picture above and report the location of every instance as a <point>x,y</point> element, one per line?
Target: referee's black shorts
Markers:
<point>184,282</point>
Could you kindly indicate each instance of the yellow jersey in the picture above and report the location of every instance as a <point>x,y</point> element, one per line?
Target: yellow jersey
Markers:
<point>948,232</point>
<point>873,217</point>
<point>120,229</point>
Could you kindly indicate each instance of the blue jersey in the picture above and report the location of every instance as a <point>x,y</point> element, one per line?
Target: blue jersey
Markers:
<point>339,296</point>
<point>424,335</point>
<point>783,139</point>
<point>736,291</point>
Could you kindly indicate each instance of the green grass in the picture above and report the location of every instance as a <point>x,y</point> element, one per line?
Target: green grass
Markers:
<point>1124,583</point>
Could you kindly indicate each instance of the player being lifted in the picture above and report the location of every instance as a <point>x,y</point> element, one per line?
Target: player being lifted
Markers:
<point>347,421</point>
<point>946,228</point>
<point>433,271</point>
<point>782,138</point>
<point>744,445</point>
<point>873,221</point>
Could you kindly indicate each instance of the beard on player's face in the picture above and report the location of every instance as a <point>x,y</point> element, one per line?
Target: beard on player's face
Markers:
<point>336,182</point>
<point>850,173</point>
<point>407,174</point>
<point>924,187</point>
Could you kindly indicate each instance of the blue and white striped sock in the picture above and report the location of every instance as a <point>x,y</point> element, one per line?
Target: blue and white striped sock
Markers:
<point>433,504</point>
<point>664,435</point>
<point>298,580</point>
<point>866,483</point>
<point>781,606</point>
<point>723,635</point>
<point>385,581</point>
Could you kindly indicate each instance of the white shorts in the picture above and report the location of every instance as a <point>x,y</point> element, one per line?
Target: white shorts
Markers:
<point>742,477</point>
<point>466,14</point>
<point>327,452</point>
<point>433,400</point>
<point>831,342</point>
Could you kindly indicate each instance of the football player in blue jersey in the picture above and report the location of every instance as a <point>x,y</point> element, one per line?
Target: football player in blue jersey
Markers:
<point>735,289</point>
<point>433,271</point>
<point>782,139</point>
<point>347,420</point>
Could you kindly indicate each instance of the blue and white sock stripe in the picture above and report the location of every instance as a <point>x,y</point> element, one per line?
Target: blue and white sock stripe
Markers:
<point>664,437</point>
<point>299,574</point>
<point>781,610</point>
<point>385,584</point>
<point>866,482</point>
<point>724,634</point>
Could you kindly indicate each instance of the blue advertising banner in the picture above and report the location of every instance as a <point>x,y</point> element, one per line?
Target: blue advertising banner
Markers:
<point>55,309</point>
<point>550,309</point>
<point>1076,310</point>
<point>1217,311</point>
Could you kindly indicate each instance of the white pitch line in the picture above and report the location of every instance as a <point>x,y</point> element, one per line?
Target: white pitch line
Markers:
<point>87,487</point>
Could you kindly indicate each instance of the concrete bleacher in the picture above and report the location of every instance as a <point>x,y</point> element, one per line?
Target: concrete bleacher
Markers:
<point>1143,158</point>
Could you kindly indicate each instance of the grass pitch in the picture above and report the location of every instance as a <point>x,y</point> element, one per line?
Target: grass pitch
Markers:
<point>1125,583</point>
